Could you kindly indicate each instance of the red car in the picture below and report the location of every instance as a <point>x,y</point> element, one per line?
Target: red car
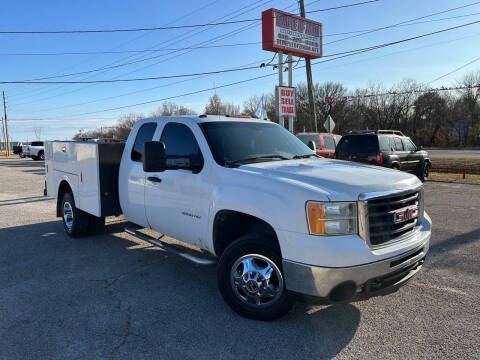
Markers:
<point>323,144</point>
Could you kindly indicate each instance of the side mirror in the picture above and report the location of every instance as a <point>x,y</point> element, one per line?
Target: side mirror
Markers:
<point>154,159</point>
<point>311,145</point>
<point>419,148</point>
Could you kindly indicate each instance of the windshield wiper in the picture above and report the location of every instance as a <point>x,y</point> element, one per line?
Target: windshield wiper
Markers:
<point>304,156</point>
<point>255,158</point>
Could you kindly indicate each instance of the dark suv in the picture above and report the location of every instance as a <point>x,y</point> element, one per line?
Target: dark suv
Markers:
<point>388,148</point>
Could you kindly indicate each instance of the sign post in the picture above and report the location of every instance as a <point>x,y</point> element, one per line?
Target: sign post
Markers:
<point>329,124</point>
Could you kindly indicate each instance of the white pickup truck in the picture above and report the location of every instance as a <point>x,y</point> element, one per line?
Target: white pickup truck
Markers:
<point>280,222</point>
<point>35,150</point>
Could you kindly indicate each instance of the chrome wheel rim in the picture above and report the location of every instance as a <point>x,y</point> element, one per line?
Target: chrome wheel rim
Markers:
<point>68,215</point>
<point>256,280</point>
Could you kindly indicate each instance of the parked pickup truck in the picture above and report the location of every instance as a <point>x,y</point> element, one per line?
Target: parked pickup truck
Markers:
<point>280,222</point>
<point>35,150</point>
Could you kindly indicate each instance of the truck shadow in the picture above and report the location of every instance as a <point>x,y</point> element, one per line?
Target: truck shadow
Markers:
<point>158,302</point>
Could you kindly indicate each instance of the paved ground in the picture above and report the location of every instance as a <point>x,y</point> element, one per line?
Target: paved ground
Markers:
<point>112,296</point>
<point>454,153</point>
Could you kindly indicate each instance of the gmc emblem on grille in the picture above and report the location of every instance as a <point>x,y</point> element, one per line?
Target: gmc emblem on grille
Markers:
<point>403,215</point>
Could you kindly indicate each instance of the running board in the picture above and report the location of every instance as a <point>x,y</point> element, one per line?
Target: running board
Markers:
<point>170,248</point>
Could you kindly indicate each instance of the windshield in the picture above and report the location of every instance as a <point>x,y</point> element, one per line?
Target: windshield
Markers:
<point>234,142</point>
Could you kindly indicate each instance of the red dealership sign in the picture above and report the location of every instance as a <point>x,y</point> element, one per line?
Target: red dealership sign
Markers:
<point>282,31</point>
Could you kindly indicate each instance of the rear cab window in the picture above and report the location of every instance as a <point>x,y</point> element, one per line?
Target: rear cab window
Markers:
<point>144,134</point>
<point>358,144</point>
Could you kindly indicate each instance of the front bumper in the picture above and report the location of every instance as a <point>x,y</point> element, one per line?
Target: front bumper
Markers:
<point>334,284</point>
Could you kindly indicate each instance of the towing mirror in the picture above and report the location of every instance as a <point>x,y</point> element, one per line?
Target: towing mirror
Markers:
<point>154,159</point>
<point>311,145</point>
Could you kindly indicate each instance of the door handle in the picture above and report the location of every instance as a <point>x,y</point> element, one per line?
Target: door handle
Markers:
<point>154,179</point>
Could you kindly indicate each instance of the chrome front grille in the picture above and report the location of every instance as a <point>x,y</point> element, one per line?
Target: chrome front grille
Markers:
<point>381,211</point>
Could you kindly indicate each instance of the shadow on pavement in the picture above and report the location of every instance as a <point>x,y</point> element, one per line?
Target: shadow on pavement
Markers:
<point>111,296</point>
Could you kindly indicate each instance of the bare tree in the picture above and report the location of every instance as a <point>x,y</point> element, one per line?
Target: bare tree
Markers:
<point>214,106</point>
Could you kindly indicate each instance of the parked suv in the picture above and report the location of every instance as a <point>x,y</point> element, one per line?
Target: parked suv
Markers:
<point>322,143</point>
<point>388,148</point>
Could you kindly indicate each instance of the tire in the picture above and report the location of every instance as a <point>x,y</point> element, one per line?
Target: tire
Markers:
<point>249,293</point>
<point>96,225</point>
<point>75,221</point>
<point>424,171</point>
<point>41,156</point>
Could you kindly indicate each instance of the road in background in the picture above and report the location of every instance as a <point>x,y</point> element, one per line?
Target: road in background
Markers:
<point>454,153</point>
<point>114,296</point>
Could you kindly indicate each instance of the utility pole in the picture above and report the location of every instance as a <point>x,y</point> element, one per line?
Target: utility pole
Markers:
<point>3,136</point>
<point>308,66</point>
<point>6,124</point>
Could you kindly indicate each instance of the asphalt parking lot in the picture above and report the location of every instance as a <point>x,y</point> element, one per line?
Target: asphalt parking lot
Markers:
<point>115,297</point>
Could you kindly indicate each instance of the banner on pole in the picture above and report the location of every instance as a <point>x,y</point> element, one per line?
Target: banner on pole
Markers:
<point>286,101</point>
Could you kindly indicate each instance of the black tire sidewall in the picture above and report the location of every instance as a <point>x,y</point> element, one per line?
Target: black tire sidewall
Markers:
<point>80,219</point>
<point>252,244</point>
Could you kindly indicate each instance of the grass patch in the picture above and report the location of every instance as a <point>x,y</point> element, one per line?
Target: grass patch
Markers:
<point>456,163</point>
<point>457,178</point>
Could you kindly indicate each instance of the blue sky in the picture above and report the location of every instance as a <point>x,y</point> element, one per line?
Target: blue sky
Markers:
<point>58,109</point>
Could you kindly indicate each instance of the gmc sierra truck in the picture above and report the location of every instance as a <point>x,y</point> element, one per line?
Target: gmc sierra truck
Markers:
<point>278,221</point>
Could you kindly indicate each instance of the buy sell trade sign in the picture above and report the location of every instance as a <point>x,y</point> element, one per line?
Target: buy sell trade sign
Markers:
<point>286,96</point>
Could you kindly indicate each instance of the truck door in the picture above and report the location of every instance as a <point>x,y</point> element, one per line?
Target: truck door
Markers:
<point>177,201</point>
<point>401,153</point>
<point>133,189</point>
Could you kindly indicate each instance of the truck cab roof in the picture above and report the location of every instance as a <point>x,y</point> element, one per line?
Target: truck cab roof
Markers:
<point>205,118</point>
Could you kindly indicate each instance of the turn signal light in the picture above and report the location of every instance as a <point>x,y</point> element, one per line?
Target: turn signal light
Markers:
<point>316,214</point>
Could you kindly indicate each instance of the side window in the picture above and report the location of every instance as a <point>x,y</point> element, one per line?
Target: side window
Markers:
<point>145,133</point>
<point>408,145</point>
<point>180,142</point>
<point>329,142</point>
<point>384,142</point>
<point>398,144</point>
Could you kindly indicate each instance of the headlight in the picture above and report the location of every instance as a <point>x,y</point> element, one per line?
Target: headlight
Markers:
<point>332,218</point>
<point>421,205</point>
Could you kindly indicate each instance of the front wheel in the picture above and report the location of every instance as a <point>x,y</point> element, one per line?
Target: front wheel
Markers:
<point>424,172</point>
<point>250,279</point>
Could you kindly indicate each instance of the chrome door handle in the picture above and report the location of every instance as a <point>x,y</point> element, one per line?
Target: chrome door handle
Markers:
<point>154,179</point>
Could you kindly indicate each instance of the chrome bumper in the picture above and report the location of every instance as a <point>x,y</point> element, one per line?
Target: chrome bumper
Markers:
<point>361,281</point>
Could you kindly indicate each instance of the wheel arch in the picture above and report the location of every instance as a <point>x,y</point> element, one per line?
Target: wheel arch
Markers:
<point>63,188</point>
<point>229,225</point>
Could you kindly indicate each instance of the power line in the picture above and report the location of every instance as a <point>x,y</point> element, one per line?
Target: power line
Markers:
<point>238,69</point>
<point>238,12</point>
<point>345,54</point>
<point>453,71</point>
<point>96,31</point>
<point>66,53</point>
<point>404,22</point>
